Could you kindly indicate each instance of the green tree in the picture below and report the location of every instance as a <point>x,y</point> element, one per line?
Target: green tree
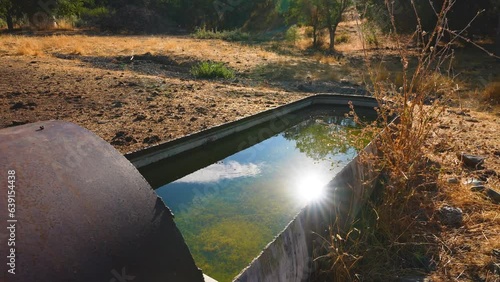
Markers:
<point>7,11</point>
<point>332,11</point>
<point>319,14</point>
<point>39,12</point>
<point>307,12</point>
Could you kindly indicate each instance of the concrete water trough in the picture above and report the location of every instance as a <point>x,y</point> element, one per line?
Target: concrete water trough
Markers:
<point>289,256</point>
<point>83,212</point>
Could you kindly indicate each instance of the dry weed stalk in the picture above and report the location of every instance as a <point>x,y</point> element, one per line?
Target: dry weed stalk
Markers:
<point>389,219</point>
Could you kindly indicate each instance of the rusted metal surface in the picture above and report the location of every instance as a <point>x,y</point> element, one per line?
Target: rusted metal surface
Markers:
<point>83,212</point>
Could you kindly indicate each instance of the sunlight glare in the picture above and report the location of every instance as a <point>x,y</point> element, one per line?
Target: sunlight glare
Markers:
<point>311,187</point>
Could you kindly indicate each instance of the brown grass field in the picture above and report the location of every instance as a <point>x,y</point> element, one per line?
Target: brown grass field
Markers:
<point>142,86</point>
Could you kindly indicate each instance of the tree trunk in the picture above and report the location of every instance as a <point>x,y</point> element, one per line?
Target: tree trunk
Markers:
<point>331,30</point>
<point>315,36</point>
<point>10,21</point>
<point>497,39</point>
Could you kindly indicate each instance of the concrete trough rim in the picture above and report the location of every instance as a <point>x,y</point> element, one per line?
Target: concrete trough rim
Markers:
<point>155,153</point>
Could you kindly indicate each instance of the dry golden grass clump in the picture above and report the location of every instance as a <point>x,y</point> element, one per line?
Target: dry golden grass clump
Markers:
<point>491,93</point>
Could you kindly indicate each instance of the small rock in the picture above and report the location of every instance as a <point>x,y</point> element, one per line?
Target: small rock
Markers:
<point>451,216</point>
<point>474,182</point>
<point>471,161</point>
<point>151,139</point>
<point>487,174</point>
<point>122,138</point>
<point>18,105</point>
<point>412,279</point>
<point>201,110</point>
<point>479,188</point>
<point>476,185</point>
<point>117,104</point>
<point>494,195</point>
<point>302,87</point>
<point>13,94</point>
<point>460,113</point>
<point>494,267</point>
<point>453,180</point>
<point>181,109</point>
<point>193,119</point>
<point>139,117</point>
<point>471,120</point>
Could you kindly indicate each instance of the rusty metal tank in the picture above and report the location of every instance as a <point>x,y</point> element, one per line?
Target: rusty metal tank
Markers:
<point>82,212</point>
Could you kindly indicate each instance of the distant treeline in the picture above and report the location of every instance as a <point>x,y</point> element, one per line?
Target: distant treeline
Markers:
<point>135,15</point>
<point>160,15</point>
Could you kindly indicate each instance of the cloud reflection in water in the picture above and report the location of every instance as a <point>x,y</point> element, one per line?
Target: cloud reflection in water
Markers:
<point>220,171</point>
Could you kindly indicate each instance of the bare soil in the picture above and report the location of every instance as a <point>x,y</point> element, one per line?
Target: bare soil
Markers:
<point>137,91</point>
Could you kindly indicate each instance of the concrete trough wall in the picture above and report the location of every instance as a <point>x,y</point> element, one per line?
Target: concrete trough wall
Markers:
<point>165,150</point>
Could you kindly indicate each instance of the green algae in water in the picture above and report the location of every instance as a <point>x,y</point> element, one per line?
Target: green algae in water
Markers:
<point>230,210</point>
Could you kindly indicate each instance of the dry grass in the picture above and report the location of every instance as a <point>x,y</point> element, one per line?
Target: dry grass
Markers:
<point>325,59</point>
<point>106,46</point>
<point>27,48</point>
<point>467,252</point>
<point>65,24</point>
<point>491,93</point>
<point>404,226</point>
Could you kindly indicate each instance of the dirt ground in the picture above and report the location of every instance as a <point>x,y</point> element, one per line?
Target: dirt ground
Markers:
<point>136,91</point>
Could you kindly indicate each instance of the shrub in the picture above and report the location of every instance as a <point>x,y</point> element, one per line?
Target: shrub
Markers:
<point>3,24</point>
<point>342,38</point>
<point>230,35</point>
<point>92,17</point>
<point>133,19</point>
<point>211,70</point>
<point>369,32</point>
<point>292,34</point>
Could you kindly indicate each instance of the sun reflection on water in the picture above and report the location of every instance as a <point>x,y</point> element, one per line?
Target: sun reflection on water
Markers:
<point>310,186</point>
